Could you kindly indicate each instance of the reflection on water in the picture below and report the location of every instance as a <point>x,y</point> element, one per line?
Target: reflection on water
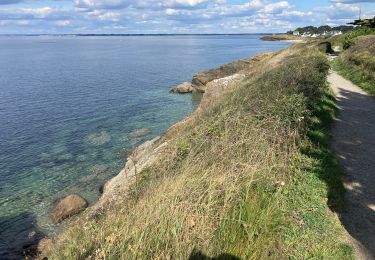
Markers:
<point>67,111</point>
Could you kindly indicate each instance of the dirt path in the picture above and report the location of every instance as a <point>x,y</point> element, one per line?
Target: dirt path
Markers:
<point>353,135</point>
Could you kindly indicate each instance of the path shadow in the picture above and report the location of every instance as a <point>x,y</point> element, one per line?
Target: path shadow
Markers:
<point>199,255</point>
<point>353,140</point>
<point>345,161</point>
<point>17,237</point>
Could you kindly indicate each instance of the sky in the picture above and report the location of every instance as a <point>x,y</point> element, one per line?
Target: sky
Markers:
<point>175,16</point>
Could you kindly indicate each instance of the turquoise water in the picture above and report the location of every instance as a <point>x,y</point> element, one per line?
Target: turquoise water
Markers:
<point>68,106</point>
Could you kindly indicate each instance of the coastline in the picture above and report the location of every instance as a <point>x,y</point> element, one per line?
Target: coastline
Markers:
<point>61,228</point>
<point>212,84</point>
<point>154,198</point>
<point>283,37</point>
<point>215,83</point>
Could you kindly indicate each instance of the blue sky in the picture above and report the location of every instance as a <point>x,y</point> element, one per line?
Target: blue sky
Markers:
<point>175,16</point>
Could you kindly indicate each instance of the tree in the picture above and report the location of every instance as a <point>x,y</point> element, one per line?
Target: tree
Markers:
<point>370,23</point>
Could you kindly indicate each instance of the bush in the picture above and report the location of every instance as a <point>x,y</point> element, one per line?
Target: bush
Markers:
<point>350,37</point>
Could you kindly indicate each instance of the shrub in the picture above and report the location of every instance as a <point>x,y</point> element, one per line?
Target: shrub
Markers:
<point>350,37</point>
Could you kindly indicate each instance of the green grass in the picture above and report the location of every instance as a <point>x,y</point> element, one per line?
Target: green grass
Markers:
<point>251,177</point>
<point>351,37</point>
<point>345,41</point>
<point>357,76</point>
<point>358,64</point>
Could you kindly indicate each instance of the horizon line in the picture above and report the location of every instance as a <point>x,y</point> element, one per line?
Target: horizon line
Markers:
<point>126,34</point>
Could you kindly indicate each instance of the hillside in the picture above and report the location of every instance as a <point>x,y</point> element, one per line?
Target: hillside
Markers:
<point>357,63</point>
<point>248,175</point>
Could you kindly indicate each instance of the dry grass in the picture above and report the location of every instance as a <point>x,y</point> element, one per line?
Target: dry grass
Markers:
<point>239,179</point>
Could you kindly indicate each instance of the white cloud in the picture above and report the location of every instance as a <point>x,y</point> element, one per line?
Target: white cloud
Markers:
<point>277,7</point>
<point>170,16</point>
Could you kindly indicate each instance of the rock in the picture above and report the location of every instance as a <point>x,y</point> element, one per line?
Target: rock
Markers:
<point>201,79</point>
<point>101,188</point>
<point>44,246</point>
<point>123,153</point>
<point>31,235</point>
<point>184,88</point>
<point>67,207</point>
<point>115,188</point>
<point>140,132</point>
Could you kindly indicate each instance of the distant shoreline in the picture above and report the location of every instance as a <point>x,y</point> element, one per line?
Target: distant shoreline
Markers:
<point>140,34</point>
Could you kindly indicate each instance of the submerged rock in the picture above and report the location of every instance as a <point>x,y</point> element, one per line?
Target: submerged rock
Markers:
<point>140,132</point>
<point>67,207</point>
<point>31,235</point>
<point>98,138</point>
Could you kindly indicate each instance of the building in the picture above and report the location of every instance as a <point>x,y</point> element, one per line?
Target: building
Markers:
<point>296,33</point>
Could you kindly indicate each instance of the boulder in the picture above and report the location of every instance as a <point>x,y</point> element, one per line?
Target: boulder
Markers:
<point>183,88</point>
<point>67,207</point>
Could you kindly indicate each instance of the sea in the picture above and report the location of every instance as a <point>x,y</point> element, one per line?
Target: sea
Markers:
<point>73,107</point>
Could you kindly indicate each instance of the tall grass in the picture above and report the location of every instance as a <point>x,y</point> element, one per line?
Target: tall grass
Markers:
<point>358,63</point>
<point>250,177</point>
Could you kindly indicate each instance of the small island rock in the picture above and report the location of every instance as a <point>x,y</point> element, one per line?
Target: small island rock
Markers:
<point>67,207</point>
<point>183,88</point>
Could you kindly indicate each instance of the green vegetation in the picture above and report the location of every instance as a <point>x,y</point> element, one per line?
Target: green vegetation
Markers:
<point>337,42</point>
<point>345,41</point>
<point>350,37</point>
<point>358,63</point>
<point>251,176</point>
<point>370,23</point>
<point>322,29</point>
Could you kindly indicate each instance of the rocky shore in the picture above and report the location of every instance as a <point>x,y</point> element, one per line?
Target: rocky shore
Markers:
<point>201,80</point>
<point>213,84</point>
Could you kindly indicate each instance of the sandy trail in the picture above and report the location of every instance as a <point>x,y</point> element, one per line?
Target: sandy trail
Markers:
<point>353,140</point>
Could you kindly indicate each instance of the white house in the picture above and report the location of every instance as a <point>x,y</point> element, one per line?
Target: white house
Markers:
<point>296,33</point>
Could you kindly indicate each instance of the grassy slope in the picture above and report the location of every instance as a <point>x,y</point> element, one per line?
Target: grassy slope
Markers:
<point>358,63</point>
<point>250,177</point>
